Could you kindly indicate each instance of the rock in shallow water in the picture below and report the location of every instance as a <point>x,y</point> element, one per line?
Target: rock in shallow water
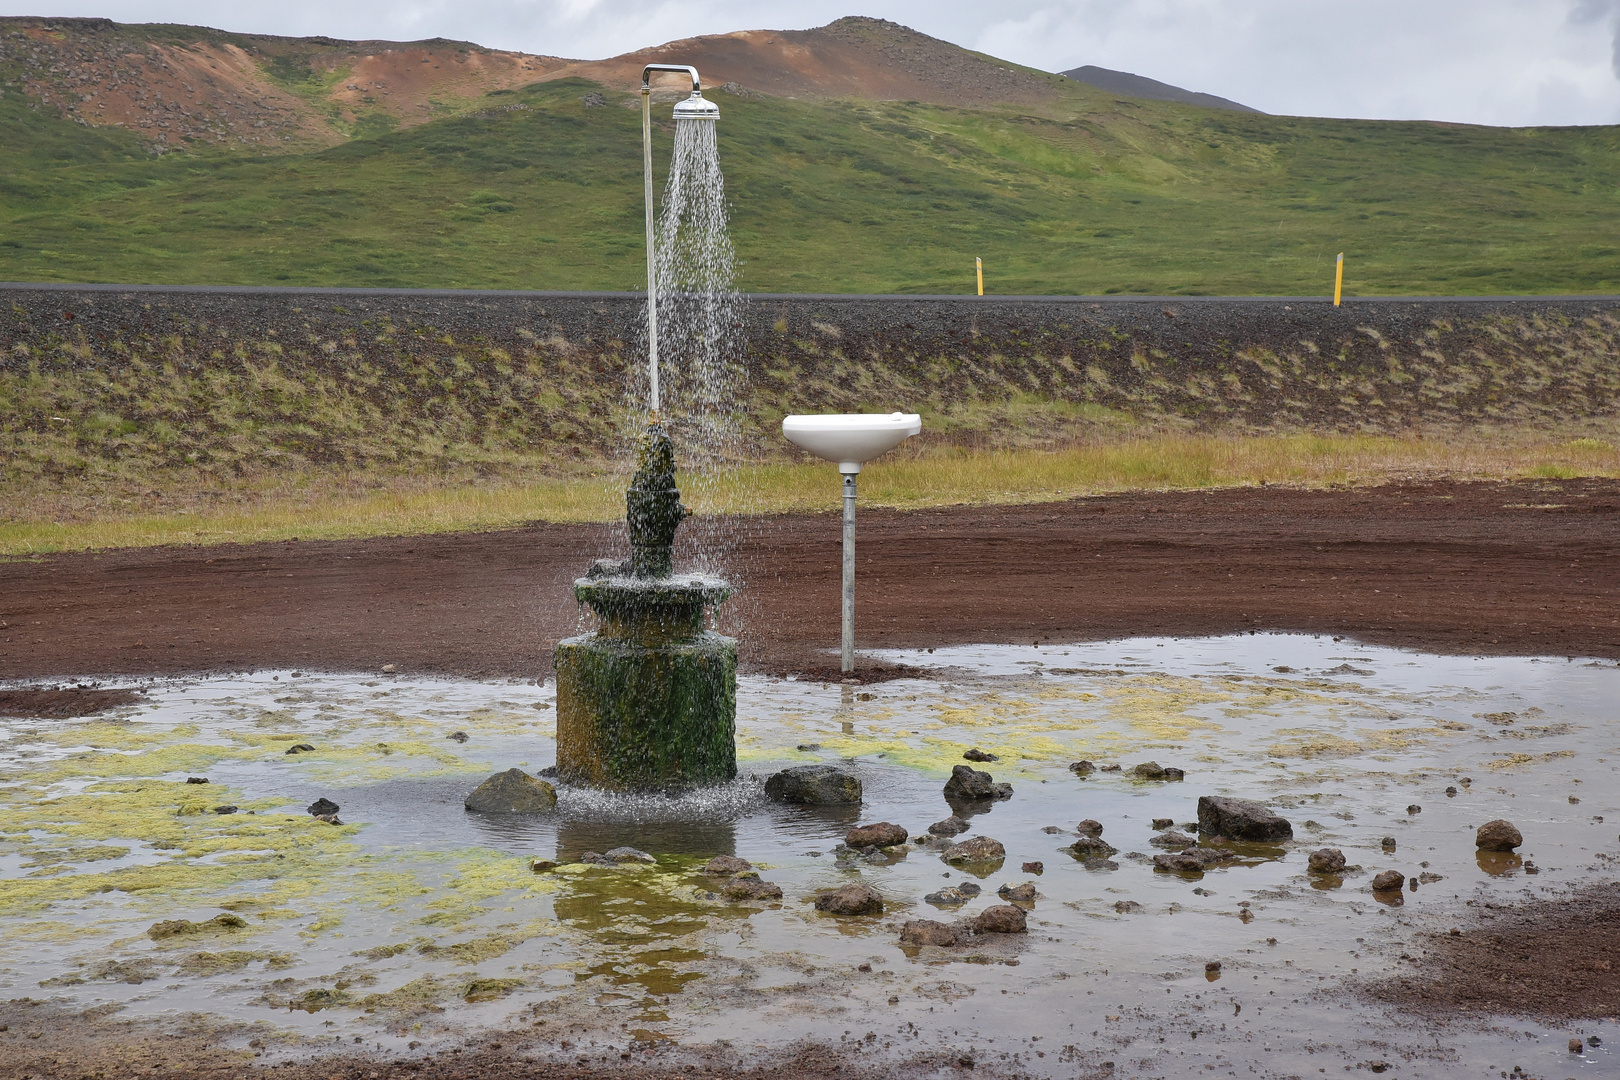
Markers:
<point>976,754</point>
<point>751,889</point>
<point>1001,919</point>
<point>977,849</point>
<point>1175,838</point>
<point>882,834</point>
<point>919,932</point>
<point>1089,827</point>
<point>814,785</point>
<point>1193,860</point>
<point>1498,835</point>
<point>1329,860</point>
<point>1091,847</point>
<point>725,865</point>
<point>852,899</point>
<point>323,805</point>
<point>1021,893</point>
<point>1240,819</point>
<point>1389,881</point>
<point>951,826</point>
<point>1152,770</point>
<point>630,855</point>
<point>513,792</point>
<point>970,784</point>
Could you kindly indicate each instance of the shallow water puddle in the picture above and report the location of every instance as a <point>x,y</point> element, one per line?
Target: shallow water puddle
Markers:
<point>415,920</point>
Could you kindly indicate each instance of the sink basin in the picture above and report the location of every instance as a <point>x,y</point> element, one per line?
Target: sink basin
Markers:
<point>851,439</point>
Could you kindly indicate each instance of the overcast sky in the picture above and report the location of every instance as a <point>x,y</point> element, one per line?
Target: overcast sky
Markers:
<point>1475,61</point>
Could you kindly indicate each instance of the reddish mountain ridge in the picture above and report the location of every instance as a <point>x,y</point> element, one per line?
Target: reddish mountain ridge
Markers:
<point>854,57</point>
<point>183,85</point>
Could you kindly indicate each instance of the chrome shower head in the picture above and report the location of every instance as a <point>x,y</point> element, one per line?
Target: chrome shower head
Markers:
<point>697,107</point>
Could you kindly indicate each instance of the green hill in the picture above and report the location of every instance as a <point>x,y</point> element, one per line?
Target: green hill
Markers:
<point>536,189</point>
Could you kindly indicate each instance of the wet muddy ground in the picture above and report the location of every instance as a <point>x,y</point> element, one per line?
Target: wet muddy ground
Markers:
<point>1526,568</point>
<point>421,936</point>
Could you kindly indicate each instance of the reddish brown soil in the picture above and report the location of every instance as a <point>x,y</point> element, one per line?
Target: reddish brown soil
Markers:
<point>1551,959</point>
<point>1522,568</point>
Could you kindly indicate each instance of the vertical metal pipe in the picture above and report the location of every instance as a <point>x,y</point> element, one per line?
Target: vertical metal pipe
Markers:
<point>652,283</point>
<point>849,572</point>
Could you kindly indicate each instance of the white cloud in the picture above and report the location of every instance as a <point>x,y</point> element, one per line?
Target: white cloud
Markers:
<point>1476,61</point>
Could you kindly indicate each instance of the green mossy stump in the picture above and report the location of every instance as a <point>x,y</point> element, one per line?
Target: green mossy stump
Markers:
<point>649,701</point>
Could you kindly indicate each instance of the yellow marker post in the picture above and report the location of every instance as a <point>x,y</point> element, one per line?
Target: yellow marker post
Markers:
<point>978,264</point>
<point>1338,280</point>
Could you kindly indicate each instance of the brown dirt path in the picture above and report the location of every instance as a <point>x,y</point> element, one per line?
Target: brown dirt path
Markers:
<point>1518,568</point>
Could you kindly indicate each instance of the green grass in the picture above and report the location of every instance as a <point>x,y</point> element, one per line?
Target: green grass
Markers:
<point>1094,196</point>
<point>334,507</point>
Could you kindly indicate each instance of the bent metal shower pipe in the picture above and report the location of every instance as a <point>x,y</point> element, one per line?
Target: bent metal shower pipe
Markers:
<point>696,107</point>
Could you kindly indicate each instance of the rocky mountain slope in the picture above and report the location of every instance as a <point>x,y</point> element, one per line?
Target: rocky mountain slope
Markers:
<point>187,85</point>
<point>192,86</point>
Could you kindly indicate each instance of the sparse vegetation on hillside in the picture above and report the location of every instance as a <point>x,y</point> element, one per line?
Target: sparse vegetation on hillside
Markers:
<point>1102,195</point>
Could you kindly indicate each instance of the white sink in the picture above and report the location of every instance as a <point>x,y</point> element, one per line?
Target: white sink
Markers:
<point>851,439</point>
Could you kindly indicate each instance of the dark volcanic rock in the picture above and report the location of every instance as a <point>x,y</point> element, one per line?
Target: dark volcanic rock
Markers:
<point>300,748</point>
<point>1021,893</point>
<point>951,826</point>
<point>1089,827</point>
<point>1193,860</point>
<point>969,785</point>
<point>1498,835</point>
<point>1163,822</point>
<point>1001,919</point>
<point>513,792</point>
<point>323,805</point>
<point>1091,847</point>
<point>1329,860</point>
<point>975,849</point>
<point>630,855</point>
<point>928,932</point>
<point>851,899</point>
<point>1152,770</point>
<point>1240,819</point>
<point>976,754</point>
<point>1082,768</point>
<point>814,785</point>
<point>751,889</point>
<point>946,897</point>
<point>1173,839</point>
<point>882,834</point>
<point>1389,881</point>
<point>722,865</point>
